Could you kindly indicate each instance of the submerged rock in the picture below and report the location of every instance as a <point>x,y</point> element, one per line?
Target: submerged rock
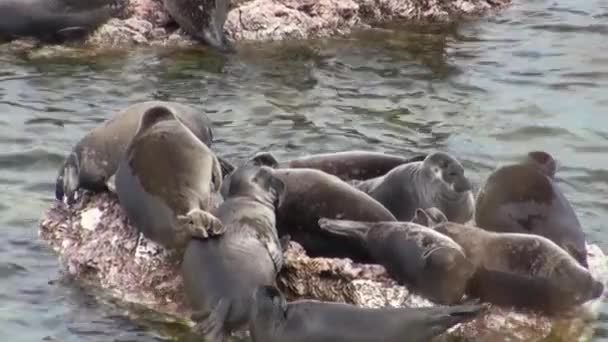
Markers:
<point>97,246</point>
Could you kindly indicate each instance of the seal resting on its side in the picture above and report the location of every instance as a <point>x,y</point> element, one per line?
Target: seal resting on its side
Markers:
<point>437,181</point>
<point>165,179</point>
<point>430,263</point>
<point>95,157</point>
<point>221,274</point>
<point>275,320</point>
<point>524,198</point>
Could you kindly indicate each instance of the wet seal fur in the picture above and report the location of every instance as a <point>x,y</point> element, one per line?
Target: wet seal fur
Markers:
<point>312,194</point>
<point>54,21</point>
<point>94,159</point>
<point>350,165</point>
<point>522,270</point>
<point>275,320</point>
<point>419,257</point>
<point>221,273</point>
<point>438,181</point>
<point>203,20</point>
<point>525,198</point>
<point>165,181</point>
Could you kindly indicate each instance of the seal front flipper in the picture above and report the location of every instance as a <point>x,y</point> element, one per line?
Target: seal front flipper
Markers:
<point>211,324</point>
<point>199,224</point>
<point>346,228</point>
<point>111,183</point>
<point>226,166</point>
<point>441,319</point>
<point>71,33</point>
<point>284,241</point>
<point>68,180</point>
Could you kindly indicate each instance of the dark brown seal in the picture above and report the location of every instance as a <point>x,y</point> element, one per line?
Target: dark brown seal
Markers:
<point>221,273</point>
<point>438,181</point>
<point>275,320</point>
<point>419,257</point>
<point>525,198</point>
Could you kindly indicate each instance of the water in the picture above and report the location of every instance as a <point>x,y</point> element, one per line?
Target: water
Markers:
<point>532,77</point>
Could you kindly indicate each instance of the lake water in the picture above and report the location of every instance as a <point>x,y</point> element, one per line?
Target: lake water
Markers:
<point>535,76</point>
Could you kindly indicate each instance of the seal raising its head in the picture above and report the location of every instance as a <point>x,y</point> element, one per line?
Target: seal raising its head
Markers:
<point>203,20</point>
<point>275,320</point>
<point>437,181</point>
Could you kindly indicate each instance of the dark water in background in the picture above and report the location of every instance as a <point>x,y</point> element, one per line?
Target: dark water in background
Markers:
<point>533,77</point>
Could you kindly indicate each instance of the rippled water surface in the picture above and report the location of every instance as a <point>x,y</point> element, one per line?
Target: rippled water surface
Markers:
<point>532,77</point>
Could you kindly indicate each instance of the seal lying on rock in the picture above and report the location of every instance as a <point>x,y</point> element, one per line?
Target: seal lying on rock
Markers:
<point>165,179</point>
<point>275,320</point>
<point>203,20</point>
<point>221,274</point>
<point>95,157</point>
<point>438,181</point>
<point>430,263</point>
<point>522,270</point>
<point>312,194</point>
<point>349,165</point>
<point>524,198</point>
<point>53,21</point>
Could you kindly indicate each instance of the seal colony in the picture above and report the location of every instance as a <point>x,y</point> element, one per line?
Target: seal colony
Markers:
<point>258,234</point>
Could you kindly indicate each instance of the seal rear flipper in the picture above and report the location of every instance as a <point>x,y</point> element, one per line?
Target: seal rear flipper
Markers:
<point>345,228</point>
<point>211,324</point>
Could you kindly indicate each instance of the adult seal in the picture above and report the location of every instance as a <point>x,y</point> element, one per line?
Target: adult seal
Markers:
<point>525,198</point>
<point>437,181</point>
<point>351,165</point>
<point>275,320</point>
<point>522,270</point>
<point>203,20</point>
<point>312,194</point>
<point>221,273</point>
<point>53,21</point>
<point>95,157</point>
<point>426,261</point>
<point>165,180</point>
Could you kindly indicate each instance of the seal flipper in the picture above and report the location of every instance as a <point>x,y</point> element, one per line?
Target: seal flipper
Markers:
<point>346,228</point>
<point>284,241</point>
<point>71,33</point>
<point>226,166</point>
<point>211,324</point>
<point>111,183</point>
<point>68,179</point>
<point>443,318</point>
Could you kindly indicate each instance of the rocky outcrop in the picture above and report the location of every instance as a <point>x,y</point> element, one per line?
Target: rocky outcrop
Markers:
<point>96,245</point>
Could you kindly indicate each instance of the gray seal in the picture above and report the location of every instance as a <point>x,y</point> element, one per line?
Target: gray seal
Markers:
<point>203,20</point>
<point>525,198</point>
<point>522,270</point>
<point>95,157</point>
<point>275,320</point>
<point>221,273</point>
<point>351,165</point>
<point>426,261</point>
<point>165,180</point>
<point>312,194</point>
<point>438,181</point>
<point>53,21</point>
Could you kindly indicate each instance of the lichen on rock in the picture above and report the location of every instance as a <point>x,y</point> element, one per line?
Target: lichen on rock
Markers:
<point>97,245</point>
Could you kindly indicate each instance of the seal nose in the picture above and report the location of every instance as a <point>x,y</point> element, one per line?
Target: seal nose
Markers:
<point>462,185</point>
<point>597,289</point>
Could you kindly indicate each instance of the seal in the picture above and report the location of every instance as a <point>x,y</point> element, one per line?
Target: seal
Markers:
<point>312,194</point>
<point>53,21</point>
<point>351,165</point>
<point>522,270</point>
<point>203,20</point>
<point>438,181</point>
<point>426,261</point>
<point>165,179</point>
<point>95,157</point>
<point>275,320</point>
<point>524,198</point>
<point>221,273</point>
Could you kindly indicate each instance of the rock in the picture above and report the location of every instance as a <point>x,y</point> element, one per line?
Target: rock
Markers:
<point>97,246</point>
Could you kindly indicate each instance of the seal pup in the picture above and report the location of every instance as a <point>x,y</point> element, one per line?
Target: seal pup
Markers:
<point>312,194</point>
<point>203,20</point>
<point>273,319</point>
<point>165,180</point>
<point>95,157</point>
<point>351,165</point>
<point>221,273</point>
<point>53,21</point>
<point>524,198</point>
<point>430,263</point>
<point>522,270</point>
<point>437,181</point>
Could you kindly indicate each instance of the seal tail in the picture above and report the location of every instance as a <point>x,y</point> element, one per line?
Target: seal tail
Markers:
<point>211,324</point>
<point>346,228</point>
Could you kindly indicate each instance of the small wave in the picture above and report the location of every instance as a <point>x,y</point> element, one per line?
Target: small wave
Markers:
<point>26,159</point>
